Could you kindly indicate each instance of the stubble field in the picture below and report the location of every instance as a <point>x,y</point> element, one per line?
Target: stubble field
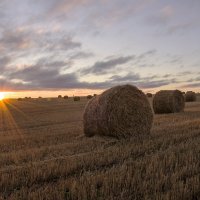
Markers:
<point>45,156</point>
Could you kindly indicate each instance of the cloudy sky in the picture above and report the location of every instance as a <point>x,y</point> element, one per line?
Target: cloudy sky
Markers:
<point>64,46</point>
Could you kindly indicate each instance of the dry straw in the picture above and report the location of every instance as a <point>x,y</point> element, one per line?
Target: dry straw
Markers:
<point>190,96</point>
<point>121,111</point>
<point>168,101</point>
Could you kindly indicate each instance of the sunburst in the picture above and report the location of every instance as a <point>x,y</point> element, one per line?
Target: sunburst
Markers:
<point>2,96</point>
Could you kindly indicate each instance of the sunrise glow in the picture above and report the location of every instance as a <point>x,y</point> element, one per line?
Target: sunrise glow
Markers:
<point>2,96</point>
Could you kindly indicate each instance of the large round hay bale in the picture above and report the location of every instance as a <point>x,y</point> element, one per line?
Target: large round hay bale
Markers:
<point>168,101</point>
<point>190,96</point>
<point>121,112</point>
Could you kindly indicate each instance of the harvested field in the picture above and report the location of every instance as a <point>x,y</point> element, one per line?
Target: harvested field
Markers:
<point>45,155</point>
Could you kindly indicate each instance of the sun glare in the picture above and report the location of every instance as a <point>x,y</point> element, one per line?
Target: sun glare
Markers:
<point>2,96</point>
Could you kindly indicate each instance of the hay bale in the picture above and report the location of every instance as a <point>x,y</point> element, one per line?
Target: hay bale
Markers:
<point>168,101</point>
<point>76,98</point>
<point>89,96</point>
<point>65,97</point>
<point>190,96</point>
<point>121,112</point>
<point>27,98</point>
<point>59,96</point>
<point>149,95</point>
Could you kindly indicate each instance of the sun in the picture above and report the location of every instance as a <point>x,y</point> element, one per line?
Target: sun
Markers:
<point>2,96</point>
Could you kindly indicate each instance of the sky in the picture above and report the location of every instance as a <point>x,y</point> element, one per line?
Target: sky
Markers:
<point>79,47</point>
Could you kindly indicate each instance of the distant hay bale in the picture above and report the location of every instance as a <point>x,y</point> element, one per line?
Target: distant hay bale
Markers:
<point>121,112</point>
<point>149,95</point>
<point>40,99</point>
<point>27,98</point>
<point>190,96</point>
<point>65,97</point>
<point>168,101</point>
<point>59,96</point>
<point>89,96</point>
<point>76,98</point>
<point>94,95</point>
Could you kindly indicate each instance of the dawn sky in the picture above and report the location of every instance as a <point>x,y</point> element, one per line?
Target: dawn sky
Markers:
<point>48,47</point>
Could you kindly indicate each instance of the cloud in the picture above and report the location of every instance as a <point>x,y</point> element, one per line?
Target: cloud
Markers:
<point>40,77</point>
<point>106,14</point>
<point>180,27</point>
<point>167,19</point>
<point>155,84</point>
<point>184,73</point>
<point>49,73</point>
<point>23,46</point>
<point>196,79</point>
<point>142,82</point>
<point>162,17</point>
<point>102,67</point>
<point>4,61</point>
<point>141,60</point>
<point>129,77</point>
<point>167,75</point>
<point>191,85</point>
<point>59,7</point>
<point>21,40</point>
<point>81,55</point>
<point>42,70</point>
<point>49,76</point>
<point>145,54</point>
<point>42,43</point>
<point>14,40</point>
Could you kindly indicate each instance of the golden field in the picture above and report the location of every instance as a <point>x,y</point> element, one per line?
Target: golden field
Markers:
<point>45,156</point>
